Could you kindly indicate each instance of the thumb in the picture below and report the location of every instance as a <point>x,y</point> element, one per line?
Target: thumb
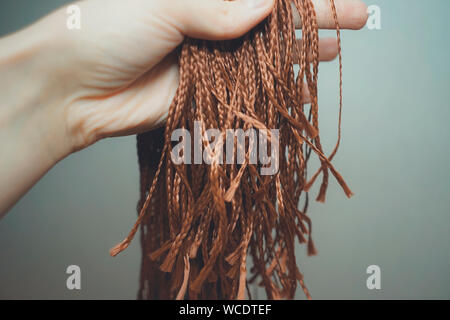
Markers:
<point>218,19</point>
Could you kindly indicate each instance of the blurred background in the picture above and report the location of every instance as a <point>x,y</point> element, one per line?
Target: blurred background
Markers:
<point>394,155</point>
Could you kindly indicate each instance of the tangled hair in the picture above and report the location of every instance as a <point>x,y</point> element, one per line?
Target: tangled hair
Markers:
<point>200,221</point>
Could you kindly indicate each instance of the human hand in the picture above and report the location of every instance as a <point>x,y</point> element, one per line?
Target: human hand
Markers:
<point>116,75</point>
<point>123,63</point>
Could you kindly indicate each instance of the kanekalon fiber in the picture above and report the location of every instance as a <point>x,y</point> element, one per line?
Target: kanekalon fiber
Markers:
<point>209,230</point>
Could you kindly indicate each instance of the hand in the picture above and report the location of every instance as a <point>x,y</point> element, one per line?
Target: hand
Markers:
<point>65,89</point>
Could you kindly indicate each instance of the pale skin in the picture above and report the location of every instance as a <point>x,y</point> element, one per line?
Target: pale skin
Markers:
<point>63,90</point>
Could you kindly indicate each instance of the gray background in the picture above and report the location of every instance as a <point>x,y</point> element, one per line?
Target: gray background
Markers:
<point>394,155</point>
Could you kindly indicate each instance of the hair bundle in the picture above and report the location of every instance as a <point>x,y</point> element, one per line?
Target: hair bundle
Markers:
<point>202,225</point>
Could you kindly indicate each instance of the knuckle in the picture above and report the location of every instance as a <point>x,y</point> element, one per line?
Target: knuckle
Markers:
<point>227,23</point>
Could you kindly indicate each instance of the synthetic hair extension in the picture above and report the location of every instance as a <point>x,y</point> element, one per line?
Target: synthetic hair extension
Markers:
<point>199,222</point>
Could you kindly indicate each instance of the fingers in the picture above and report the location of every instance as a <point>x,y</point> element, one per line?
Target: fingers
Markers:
<point>306,97</point>
<point>222,20</point>
<point>218,19</point>
<point>328,50</point>
<point>352,14</point>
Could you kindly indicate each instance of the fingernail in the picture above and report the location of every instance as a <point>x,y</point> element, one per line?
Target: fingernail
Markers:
<point>257,4</point>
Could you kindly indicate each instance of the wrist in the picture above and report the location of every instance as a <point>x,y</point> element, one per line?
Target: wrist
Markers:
<point>33,98</point>
<point>35,90</point>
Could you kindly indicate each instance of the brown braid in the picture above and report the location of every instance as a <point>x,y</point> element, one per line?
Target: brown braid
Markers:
<point>199,222</point>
